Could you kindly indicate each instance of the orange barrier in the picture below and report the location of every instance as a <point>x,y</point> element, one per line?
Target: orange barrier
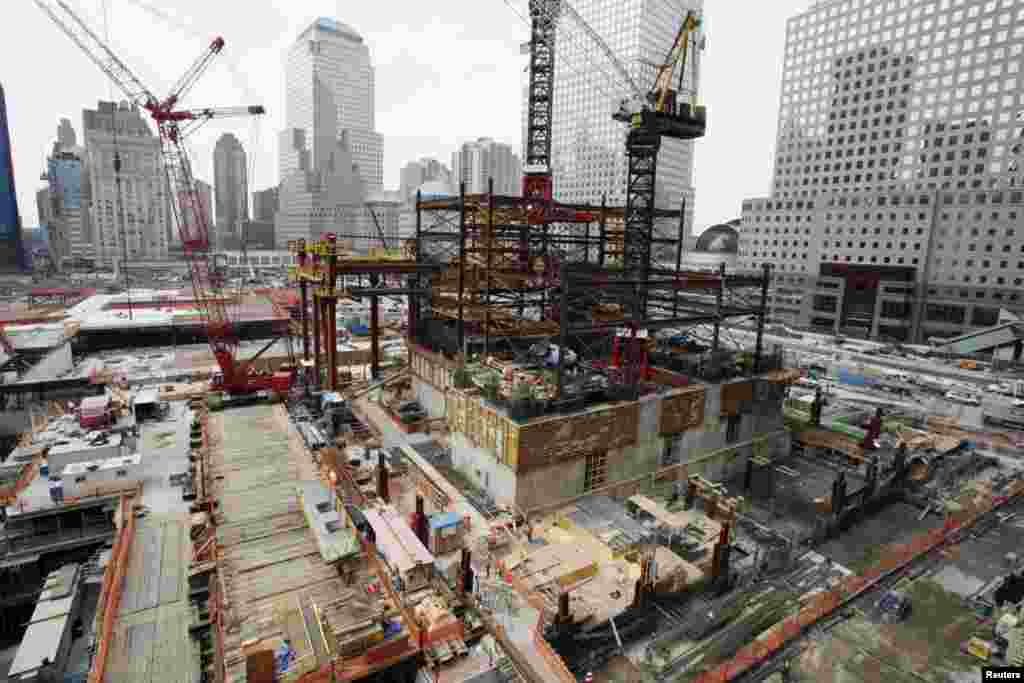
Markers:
<point>113,580</point>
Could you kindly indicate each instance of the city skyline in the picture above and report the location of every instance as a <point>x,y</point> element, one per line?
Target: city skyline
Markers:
<point>429,100</point>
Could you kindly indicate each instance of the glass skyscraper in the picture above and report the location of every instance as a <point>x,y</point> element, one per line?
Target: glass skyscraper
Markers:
<point>588,146</point>
<point>12,253</point>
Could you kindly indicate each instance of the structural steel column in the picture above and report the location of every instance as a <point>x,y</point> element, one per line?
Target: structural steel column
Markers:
<point>718,304</point>
<point>766,272</point>
<point>304,288</point>
<point>462,266</point>
<point>332,304</point>
<point>487,287</point>
<point>679,262</point>
<point>316,338</point>
<point>374,337</point>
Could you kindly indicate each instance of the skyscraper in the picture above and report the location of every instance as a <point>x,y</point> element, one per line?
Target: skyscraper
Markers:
<point>265,203</point>
<point>12,252</point>
<point>119,129</point>
<point>330,60</point>
<point>588,147</point>
<point>67,221</point>
<point>329,154</point>
<point>476,162</point>
<point>230,186</point>
<point>898,194</point>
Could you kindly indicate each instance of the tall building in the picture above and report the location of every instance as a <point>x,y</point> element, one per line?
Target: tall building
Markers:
<point>476,162</point>
<point>120,129</point>
<point>415,173</point>
<point>330,59</point>
<point>588,147</point>
<point>12,251</point>
<point>265,203</point>
<point>231,187</point>
<point>67,221</point>
<point>897,191</point>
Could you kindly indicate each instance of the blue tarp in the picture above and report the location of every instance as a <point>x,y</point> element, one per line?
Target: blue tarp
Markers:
<point>444,520</point>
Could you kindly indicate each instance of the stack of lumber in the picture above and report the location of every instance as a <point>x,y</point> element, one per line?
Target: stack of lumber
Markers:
<point>352,622</point>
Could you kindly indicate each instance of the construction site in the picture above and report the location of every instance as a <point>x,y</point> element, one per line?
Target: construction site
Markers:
<point>568,459</point>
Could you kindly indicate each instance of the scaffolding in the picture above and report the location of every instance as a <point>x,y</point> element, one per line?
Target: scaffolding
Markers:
<point>507,280</point>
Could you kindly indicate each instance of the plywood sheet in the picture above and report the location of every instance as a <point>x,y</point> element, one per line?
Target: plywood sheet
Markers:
<point>734,394</point>
<point>546,441</point>
<point>682,412</point>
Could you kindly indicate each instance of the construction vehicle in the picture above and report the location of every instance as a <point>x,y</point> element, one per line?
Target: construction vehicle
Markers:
<point>174,124</point>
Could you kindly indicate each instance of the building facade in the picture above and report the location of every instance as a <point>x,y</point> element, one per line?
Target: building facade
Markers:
<point>265,203</point>
<point>134,225</point>
<point>588,147</point>
<point>330,157</point>
<point>12,252</point>
<point>415,173</point>
<point>897,189</point>
<point>67,196</point>
<point>331,56</point>
<point>231,187</point>
<point>475,163</point>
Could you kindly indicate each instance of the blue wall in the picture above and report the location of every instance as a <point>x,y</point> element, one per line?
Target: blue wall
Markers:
<point>65,180</point>
<point>11,252</point>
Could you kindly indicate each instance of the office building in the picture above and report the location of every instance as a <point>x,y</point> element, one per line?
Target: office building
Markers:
<point>12,252</point>
<point>206,204</point>
<point>897,190</point>
<point>331,56</point>
<point>588,147</point>
<point>231,187</point>
<point>474,163</point>
<point>131,224</point>
<point>67,200</point>
<point>415,173</point>
<point>265,203</point>
<point>329,155</point>
<point>385,209</point>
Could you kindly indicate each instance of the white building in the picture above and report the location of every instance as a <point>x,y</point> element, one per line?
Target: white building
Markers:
<point>332,56</point>
<point>415,173</point>
<point>588,147</point>
<point>897,192</point>
<point>476,162</point>
<point>231,187</point>
<point>119,128</point>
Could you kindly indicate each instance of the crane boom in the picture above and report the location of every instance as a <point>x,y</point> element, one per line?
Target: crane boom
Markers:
<point>96,50</point>
<point>186,209</point>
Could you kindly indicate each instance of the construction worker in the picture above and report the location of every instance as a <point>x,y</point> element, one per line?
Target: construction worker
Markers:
<point>283,659</point>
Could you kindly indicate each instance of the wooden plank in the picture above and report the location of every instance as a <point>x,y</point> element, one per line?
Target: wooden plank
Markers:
<point>682,412</point>
<point>552,439</point>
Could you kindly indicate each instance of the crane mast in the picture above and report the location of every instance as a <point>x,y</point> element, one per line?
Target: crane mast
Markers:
<point>173,125</point>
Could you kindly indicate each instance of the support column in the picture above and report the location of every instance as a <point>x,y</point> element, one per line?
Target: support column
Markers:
<point>316,340</point>
<point>304,289</point>
<point>462,268</point>
<point>374,337</point>
<point>766,271</point>
<point>332,305</point>
<point>718,304</point>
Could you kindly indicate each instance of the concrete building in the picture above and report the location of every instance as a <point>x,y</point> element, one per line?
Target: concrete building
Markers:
<point>12,256</point>
<point>331,56</point>
<point>111,129</point>
<point>231,187</point>
<point>896,194</point>
<point>415,173</point>
<point>588,147</point>
<point>205,191</point>
<point>476,162</point>
<point>541,461</point>
<point>265,203</point>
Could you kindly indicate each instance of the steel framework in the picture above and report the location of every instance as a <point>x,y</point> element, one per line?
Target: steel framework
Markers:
<point>505,283</point>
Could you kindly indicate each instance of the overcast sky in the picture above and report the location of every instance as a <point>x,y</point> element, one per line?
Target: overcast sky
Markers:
<point>447,71</point>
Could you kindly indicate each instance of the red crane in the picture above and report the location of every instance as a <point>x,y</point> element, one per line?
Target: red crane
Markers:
<point>174,125</point>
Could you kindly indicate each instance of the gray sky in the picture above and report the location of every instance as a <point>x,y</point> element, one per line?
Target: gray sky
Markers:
<point>447,71</point>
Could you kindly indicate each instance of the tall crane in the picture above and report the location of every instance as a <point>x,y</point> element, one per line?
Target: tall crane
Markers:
<point>174,124</point>
<point>667,109</point>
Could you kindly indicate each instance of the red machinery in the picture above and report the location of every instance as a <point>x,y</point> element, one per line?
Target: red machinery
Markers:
<point>173,125</point>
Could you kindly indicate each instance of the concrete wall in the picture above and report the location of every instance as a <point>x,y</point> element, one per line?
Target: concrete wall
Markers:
<point>431,399</point>
<point>15,422</point>
<point>53,364</point>
<point>544,485</point>
<point>58,461</point>
<point>483,469</point>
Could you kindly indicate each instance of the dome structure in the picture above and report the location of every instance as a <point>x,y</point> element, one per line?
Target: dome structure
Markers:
<point>719,239</point>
